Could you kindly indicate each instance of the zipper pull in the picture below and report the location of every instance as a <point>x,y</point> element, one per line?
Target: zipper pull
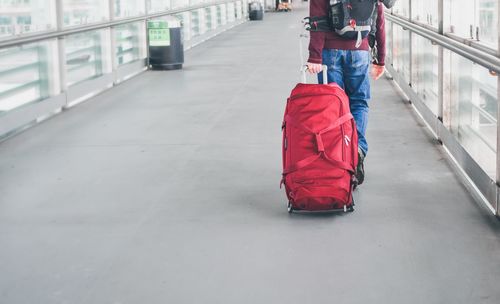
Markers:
<point>347,140</point>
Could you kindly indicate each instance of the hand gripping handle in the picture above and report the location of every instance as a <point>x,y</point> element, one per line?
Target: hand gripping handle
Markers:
<point>304,69</point>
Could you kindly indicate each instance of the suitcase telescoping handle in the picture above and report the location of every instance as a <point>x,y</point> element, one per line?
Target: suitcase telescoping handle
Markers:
<point>325,74</point>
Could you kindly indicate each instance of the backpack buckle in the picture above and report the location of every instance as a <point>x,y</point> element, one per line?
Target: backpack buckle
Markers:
<point>352,23</point>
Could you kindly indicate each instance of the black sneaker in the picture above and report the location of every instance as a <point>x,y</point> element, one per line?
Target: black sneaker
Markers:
<point>360,169</point>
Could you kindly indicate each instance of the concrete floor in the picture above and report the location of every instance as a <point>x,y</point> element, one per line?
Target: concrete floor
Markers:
<point>165,190</point>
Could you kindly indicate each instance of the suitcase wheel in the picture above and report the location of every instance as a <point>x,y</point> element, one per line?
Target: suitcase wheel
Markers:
<point>349,209</point>
<point>290,208</point>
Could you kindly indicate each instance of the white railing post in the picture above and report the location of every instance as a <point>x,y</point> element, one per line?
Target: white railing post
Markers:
<point>410,44</point>
<point>60,50</point>
<point>440,66</point>
<point>112,35</point>
<point>498,122</point>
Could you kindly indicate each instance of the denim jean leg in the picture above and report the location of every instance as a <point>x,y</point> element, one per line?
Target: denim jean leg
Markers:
<point>359,110</point>
<point>357,86</point>
<point>332,58</point>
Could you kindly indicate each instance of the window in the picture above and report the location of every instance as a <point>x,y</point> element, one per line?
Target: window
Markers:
<point>19,17</point>
<point>402,8</point>
<point>425,12</point>
<point>180,3</point>
<point>473,19</point>
<point>77,12</point>
<point>155,6</point>
<point>127,8</point>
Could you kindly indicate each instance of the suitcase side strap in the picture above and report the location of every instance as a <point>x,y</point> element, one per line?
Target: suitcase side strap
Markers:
<point>309,160</point>
<point>319,142</point>
<point>341,120</point>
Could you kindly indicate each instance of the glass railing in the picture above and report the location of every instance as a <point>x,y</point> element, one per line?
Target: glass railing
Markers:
<point>452,83</point>
<point>424,79</point>
<point>129,38</point>
<point>23,76</point>
<point>471,105</point>
<point>84,59</point>
<point>49,62</point>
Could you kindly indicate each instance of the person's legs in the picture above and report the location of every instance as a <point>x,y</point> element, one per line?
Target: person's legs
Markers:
<point>350,70</point>
<point>357,87</point>
<point>333,60</point>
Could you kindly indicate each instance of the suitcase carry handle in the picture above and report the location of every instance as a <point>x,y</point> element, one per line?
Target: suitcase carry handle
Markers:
<point>304,69</point>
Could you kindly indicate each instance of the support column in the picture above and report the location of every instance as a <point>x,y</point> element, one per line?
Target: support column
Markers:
<point>112,34</point>
<point>498,126</point>
<point>440,65</point>
<point>61,54</point>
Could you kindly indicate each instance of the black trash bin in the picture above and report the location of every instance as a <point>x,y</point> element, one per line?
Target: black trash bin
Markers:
<point>256,11</point>
<point>166,48</point>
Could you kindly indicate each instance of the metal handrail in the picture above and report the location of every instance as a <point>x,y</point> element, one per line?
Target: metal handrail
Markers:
<point>473,43</point>
<point>100,25</point>
<point>482,58</point>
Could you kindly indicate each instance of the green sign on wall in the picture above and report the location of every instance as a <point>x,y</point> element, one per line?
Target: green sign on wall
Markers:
<point>158,33</point>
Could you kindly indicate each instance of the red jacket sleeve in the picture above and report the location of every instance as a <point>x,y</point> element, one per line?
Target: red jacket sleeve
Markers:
<point>380,35</point>
<point>317,8</point>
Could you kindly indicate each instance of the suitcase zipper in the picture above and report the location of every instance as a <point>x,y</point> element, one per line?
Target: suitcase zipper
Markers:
<point>316,179</point>
<point>341,111</point>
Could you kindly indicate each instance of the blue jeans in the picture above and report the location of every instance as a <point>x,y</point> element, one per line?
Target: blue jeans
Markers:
<point>349,69</point>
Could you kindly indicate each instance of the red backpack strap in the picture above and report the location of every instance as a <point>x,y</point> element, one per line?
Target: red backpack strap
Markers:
<point>311,159</point>
<point>301,164</point>
<point>342,120</point>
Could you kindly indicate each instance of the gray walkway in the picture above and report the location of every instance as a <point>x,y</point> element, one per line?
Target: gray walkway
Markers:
<point>165,190</point>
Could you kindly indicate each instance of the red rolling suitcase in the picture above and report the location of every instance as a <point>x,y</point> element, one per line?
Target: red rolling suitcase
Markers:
<point>320,148</point>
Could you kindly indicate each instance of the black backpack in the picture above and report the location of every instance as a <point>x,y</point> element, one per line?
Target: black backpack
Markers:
<point>352,19</point>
